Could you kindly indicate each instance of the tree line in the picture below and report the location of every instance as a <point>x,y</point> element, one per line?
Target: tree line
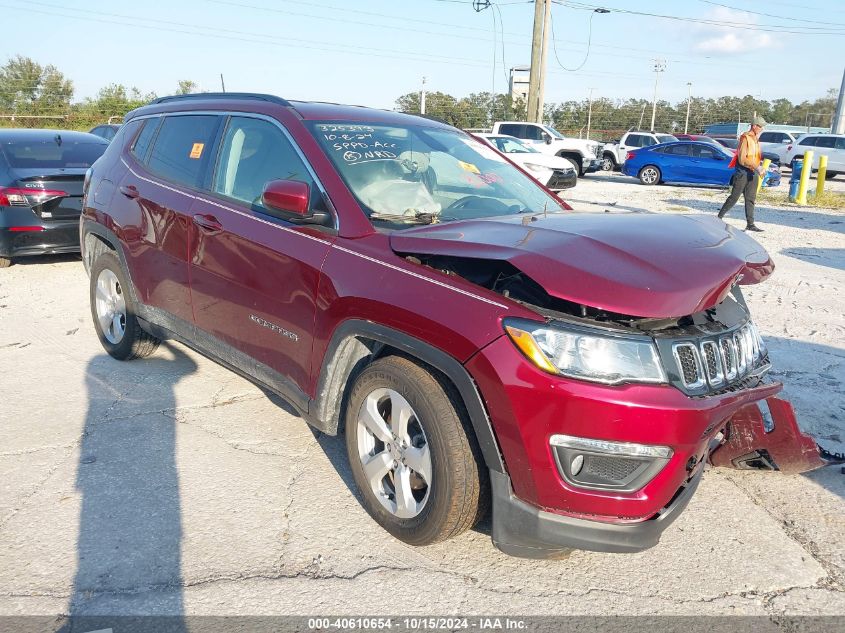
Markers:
<point>609,117</point>
<point>32,95</point>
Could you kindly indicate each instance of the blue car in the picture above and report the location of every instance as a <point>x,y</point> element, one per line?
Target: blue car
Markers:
<point>689,162</point>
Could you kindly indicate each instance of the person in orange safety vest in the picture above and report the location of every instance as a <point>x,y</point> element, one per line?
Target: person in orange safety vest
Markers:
<point>748,173</point>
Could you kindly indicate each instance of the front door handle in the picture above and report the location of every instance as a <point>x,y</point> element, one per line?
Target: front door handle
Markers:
<point>129,191</point>
<point>208,223</point>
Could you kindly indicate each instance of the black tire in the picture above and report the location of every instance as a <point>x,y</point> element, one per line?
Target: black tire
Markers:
<point>5,262</point>
<point>608,163</point>
<point>457,494</point>
<point>650,175</point>
<point>135,342</point>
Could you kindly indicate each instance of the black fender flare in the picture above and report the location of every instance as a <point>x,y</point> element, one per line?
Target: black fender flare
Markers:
<point>347,354</point>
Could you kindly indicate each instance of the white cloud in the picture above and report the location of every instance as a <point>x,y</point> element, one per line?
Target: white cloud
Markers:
<point>727,40</point>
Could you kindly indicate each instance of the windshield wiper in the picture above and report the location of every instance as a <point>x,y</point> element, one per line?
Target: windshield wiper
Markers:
<point>418,218</point>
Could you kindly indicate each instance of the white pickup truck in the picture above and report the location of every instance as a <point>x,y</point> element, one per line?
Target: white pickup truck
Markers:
<point>613,154</point>
<point>585,155</point>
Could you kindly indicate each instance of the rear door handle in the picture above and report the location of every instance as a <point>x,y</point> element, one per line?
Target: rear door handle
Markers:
<point>208,223</point>
<point>129,191</point>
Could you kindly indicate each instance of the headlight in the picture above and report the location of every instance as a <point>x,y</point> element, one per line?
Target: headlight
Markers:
<point>580,352</point>
<point>533,167</point>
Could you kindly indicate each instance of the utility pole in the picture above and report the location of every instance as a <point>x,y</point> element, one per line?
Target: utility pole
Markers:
<point>689,97</point>
<point>222,85</point>
<point>590,113</point>
<point>659,67</point>
<point>538,64</point>
<point>422,97</point>
<point>838,124</point>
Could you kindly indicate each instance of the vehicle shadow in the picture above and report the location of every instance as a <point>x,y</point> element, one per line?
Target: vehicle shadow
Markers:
<point>130,527</point>
<point>40,260</point>
<point>830,257</point>
<point>793,218</point>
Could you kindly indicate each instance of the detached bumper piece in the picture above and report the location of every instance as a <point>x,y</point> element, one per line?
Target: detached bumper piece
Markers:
<point>767,439</point>
<point>520,529</point>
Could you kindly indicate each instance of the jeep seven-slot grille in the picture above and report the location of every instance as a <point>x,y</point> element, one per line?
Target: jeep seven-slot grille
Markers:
<point>719,360</point>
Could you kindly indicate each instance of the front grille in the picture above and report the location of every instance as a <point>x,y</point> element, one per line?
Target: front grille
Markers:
<point>561,179</point>
<point>719,360</point>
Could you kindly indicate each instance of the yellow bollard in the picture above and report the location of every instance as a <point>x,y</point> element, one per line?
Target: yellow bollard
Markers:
<point>766,164</point>
<point>821,175</point>
<point>801,198</point>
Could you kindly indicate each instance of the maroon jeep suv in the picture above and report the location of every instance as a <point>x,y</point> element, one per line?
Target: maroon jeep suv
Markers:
<point>477,342</point>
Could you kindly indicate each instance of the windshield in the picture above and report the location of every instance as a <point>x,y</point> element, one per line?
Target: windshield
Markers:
<point>51,155</point>
<point>510,145</point>
<point>405,175</point>
<point>666,138</point>
<point>553,131</point>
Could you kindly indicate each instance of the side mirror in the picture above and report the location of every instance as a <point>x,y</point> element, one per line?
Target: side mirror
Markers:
<point>291,198</point>
<point>786,141</point>
<point>548,138</point>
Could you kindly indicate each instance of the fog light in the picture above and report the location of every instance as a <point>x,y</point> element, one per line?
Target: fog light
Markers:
<point>602,464</point>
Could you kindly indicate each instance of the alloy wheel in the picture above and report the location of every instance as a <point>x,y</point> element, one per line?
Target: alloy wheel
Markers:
<point>394,453</point>
<point>110,305</point>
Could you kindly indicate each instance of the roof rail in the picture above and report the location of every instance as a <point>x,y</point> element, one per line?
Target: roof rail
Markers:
<point>223,95</point>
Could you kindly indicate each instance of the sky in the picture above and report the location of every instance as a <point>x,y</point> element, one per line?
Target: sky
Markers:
<point>369,52</point>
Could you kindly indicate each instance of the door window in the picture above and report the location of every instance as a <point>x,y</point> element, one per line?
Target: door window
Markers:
<point>253,153</point>
<point>634,140</point>
<point>826,141</point>
<point>840,143</point>
<point>810,140</point>
<point>707,152</point>
<point>513,129</point>
<point>533,132</point>
<point>183,146</point>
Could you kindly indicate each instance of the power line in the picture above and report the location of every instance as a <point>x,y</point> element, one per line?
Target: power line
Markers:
<point>771,15</point>
<point>589,41</point>
<point>771,28</point>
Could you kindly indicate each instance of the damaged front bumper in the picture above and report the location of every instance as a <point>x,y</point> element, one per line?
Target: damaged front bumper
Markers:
<point>765,436</point>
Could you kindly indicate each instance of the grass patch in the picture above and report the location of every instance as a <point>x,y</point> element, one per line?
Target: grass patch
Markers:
<point>828,199</point>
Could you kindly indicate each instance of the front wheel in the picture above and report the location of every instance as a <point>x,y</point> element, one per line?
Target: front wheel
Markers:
<point>412,454</point>
<point>649,175</point>
<point>607,163</point>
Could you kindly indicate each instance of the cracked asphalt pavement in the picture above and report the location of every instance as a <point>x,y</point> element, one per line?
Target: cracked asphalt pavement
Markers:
<point>173,486</point>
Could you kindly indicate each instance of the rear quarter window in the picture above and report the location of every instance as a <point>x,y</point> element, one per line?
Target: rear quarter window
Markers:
<point>183,146</point>
<point>141,147</point>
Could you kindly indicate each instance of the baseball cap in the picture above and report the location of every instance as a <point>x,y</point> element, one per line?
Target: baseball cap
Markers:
<point>758,120</point>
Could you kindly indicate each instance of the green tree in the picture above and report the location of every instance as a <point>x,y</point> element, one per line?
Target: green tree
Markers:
<point>114,100</point>
<point>28,88</point>
<point>186,87</point>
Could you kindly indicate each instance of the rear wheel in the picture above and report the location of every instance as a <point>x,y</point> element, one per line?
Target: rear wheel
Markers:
<point>5,262</point>
<point>412,454</point>
<point>113,312</point>
<point>649,175</point>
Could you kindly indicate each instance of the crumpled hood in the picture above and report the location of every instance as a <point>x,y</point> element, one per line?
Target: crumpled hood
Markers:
<point>638,264</point>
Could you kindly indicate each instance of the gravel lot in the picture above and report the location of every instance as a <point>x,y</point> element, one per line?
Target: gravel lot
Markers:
<point>172,486</point>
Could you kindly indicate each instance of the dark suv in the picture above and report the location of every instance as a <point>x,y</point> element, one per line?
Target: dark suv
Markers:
<point>398,280</point>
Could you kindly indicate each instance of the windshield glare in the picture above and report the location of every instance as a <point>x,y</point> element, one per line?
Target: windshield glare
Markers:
<point>666,138</point>
<point>410,175</point>
<point>512,146</point>
<point>553,132</point>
